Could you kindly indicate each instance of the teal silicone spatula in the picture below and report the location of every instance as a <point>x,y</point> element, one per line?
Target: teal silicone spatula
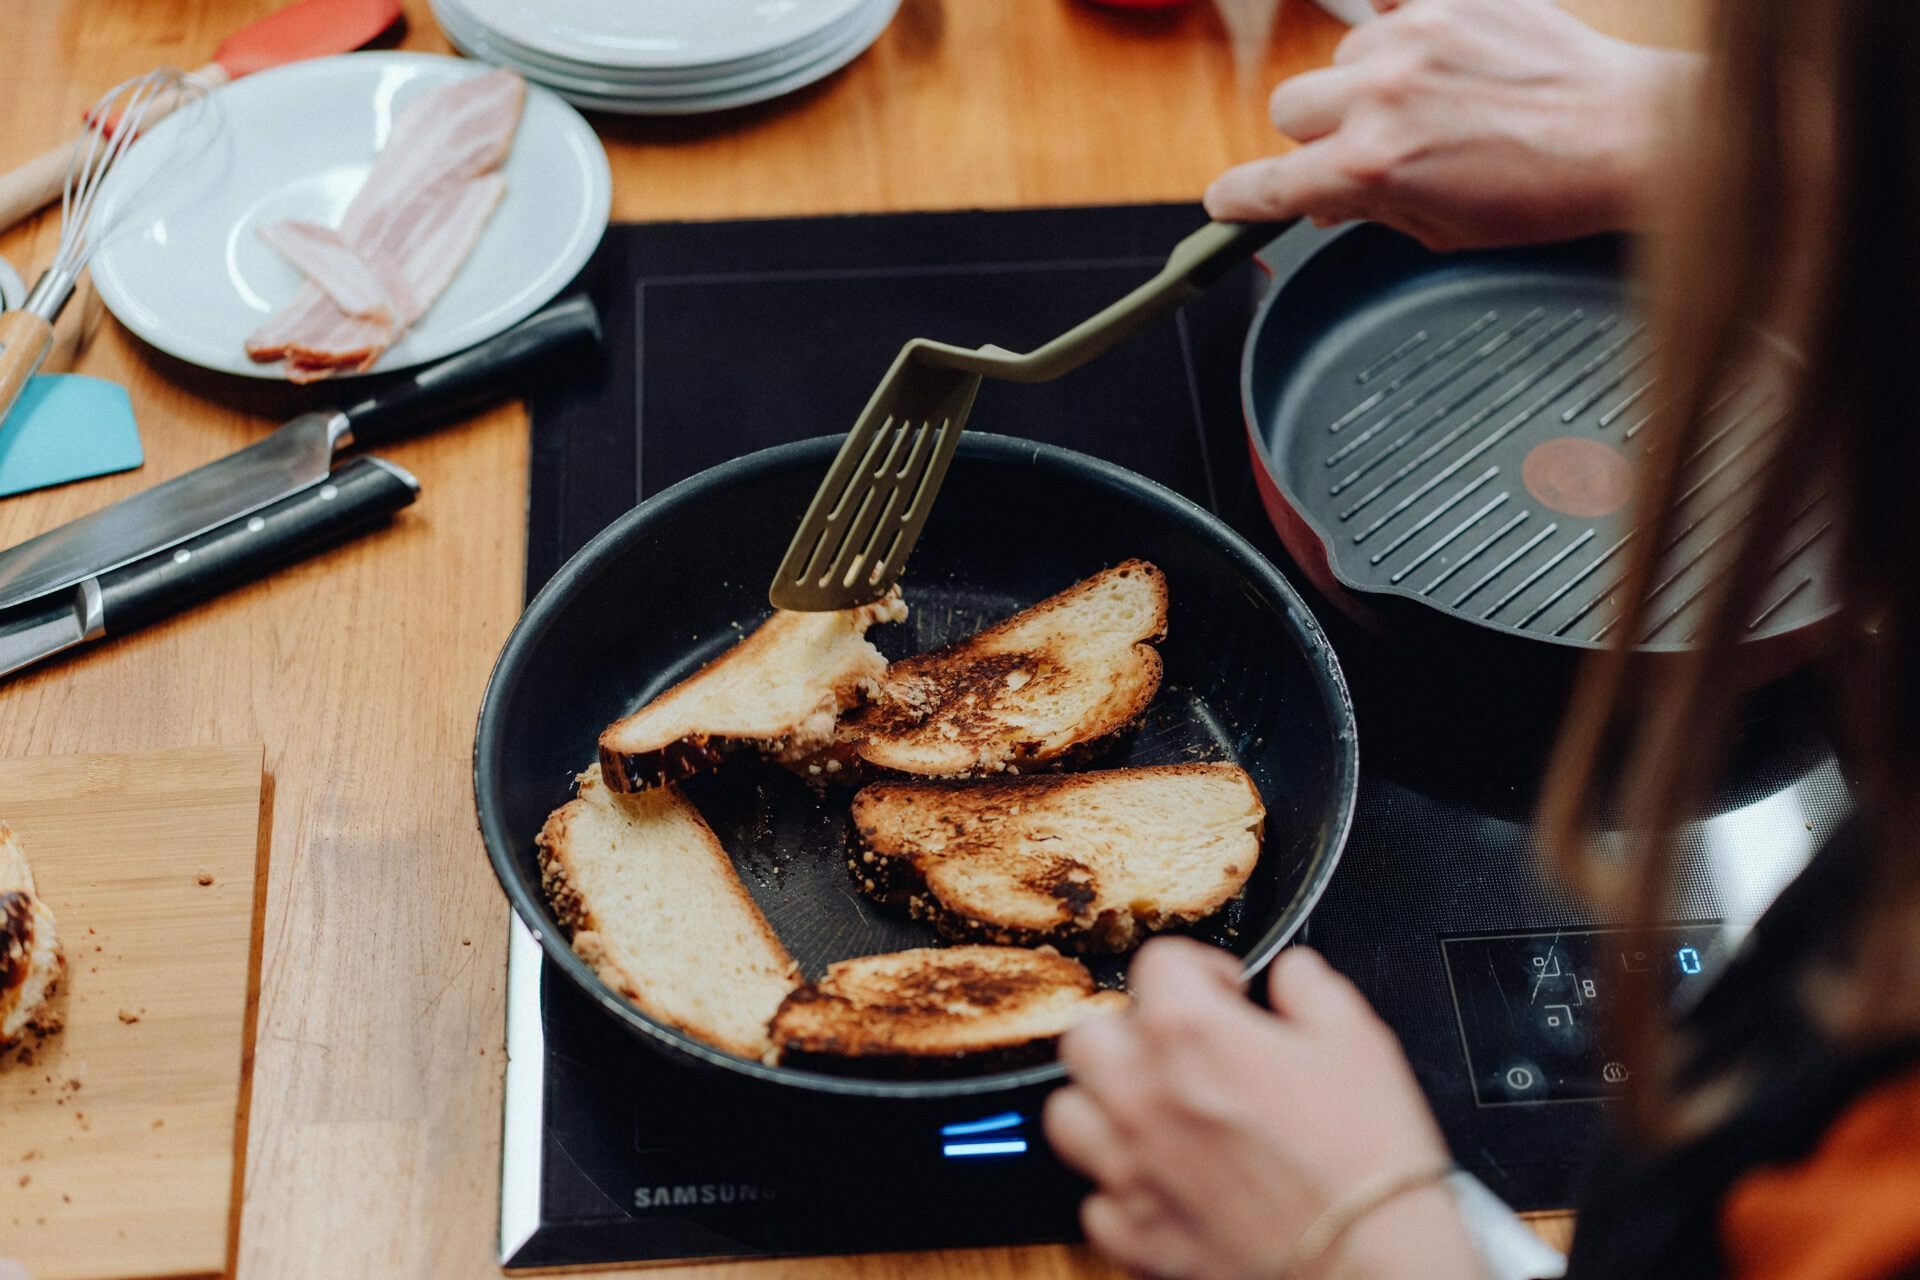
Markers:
<point>854,540</point>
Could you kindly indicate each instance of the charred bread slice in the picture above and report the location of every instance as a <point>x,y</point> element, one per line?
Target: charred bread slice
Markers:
<point>31,964</point>
<point>780,691</point>
<point>653,904</point>
<point>1052,683</point>
<point>1086,861</point>
<point>909,1010</point>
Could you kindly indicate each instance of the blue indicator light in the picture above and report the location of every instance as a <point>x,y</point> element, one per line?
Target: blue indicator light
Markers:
<point>1001,1147</point>
<point>1689,960</point>
<point>992,1124</point>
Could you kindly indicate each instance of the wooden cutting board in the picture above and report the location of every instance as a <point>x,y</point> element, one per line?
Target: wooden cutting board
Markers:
<point>120,1136</point>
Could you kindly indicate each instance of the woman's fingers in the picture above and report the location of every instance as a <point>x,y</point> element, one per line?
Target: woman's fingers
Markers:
<point>1103,1055</point>
<point>1139,1235</point>
<point>1311,105</point>
<point>1080,1133</point>
<point>1302,183</point>
<point>1304,988</point>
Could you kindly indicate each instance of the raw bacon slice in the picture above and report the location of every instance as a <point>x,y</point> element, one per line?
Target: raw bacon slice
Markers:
<point>354,284</point>
<point>404,236</point>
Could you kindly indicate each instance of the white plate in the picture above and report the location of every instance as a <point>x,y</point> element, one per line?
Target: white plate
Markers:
<point>611,94</point>
<point>657,33</point>
<point>652,82</point>
<point>185,270</point>
<point>695,104</point>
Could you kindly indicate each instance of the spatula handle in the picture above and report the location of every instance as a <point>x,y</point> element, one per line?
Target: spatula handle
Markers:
<point>24,341</point>
<point>1194,265</point>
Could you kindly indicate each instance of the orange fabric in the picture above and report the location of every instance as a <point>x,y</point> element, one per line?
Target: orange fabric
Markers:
<point>1849,1211</point>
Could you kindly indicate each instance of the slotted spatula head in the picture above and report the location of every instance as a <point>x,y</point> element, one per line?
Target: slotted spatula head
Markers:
<point>868,512</point>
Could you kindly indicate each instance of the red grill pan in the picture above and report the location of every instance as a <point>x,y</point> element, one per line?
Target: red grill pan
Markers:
<point>1455,434</point>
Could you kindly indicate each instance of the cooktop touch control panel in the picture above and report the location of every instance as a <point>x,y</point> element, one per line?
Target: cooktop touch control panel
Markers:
<point>1531,1005</point>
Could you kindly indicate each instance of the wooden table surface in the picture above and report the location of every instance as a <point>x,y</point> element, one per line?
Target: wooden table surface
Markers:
<point>373,1140</point>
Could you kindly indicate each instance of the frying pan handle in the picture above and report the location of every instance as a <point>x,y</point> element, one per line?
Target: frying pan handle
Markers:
<point>1194,265</point>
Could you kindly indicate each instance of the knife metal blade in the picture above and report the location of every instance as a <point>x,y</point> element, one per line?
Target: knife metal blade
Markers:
<point>74,619</point>
<point>296,455</point>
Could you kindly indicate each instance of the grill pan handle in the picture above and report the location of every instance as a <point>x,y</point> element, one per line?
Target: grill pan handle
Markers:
<point>1194,265</point>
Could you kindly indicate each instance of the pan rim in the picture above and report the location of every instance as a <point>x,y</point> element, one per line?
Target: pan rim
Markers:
<point>1283,260</point>
<point>592,559</point>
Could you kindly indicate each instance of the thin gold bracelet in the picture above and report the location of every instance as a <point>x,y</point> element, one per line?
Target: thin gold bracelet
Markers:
<point>1338,1218</point>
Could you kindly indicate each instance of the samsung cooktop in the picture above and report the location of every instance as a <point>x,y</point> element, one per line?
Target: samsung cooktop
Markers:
<point>729,337</point>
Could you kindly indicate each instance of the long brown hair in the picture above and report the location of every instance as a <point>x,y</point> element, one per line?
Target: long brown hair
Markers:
<point>1792,209</point>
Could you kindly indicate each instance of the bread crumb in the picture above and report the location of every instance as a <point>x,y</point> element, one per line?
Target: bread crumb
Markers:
<point>72,1085</point>
<point>25,1178</point>
<point>204,878</point>
<point>31,1155</point>
<point>128,1016</point>
<point>158,1123</point>
<point>466,942</point>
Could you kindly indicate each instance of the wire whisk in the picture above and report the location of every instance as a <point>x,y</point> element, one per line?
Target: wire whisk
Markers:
<point>114,124</point>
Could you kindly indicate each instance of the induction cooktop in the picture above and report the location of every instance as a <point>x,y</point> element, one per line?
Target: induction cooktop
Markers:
<point>729,337</point>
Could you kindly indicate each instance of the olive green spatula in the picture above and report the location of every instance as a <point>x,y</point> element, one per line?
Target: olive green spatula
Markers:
<point>863,522</point>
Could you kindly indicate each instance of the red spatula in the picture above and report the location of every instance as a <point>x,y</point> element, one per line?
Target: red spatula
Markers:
<point>308,29</point>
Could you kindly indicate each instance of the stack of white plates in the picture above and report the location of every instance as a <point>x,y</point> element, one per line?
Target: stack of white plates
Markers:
<point>666,57</point>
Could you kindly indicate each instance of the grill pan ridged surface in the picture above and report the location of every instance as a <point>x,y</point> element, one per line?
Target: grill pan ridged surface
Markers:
<point>1417,407</point>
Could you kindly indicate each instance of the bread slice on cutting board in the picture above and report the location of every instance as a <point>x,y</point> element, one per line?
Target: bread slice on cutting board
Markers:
<point>653,904</point>
<point>30,961</point>
<point>780,691</point>
<point>1052,683</point>
<point>909,1009</point>
<point>1087,861</point>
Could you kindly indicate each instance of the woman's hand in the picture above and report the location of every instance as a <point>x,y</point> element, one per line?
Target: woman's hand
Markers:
<point>1217,1132</point>
<point>1468,123</point>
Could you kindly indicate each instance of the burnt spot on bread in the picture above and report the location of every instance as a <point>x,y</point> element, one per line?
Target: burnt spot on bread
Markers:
<point>644,770</point>
<point>963,700</point>
<point>1068,882</point>
<point>16,938</point>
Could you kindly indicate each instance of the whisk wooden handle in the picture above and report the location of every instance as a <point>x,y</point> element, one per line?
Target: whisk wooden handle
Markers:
<point>24,340</point>
<point>37,183</point>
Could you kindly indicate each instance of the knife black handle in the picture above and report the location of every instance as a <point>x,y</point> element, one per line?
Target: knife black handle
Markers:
<point>360,493</point>
<point>479,373</point>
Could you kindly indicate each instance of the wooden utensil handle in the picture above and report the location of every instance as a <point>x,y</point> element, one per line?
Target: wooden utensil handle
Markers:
<point>33,184</point>
<point>36,183</point>
<point>24,339</point>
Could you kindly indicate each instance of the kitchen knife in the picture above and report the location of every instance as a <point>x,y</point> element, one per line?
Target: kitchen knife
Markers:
<point>296,455</point>
<point>361,493</point>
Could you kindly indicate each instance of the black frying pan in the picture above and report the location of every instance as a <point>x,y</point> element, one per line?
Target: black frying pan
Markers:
<point>1248,678</point>
<point>1449,437</point>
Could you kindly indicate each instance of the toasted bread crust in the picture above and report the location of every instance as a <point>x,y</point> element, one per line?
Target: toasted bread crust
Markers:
<point>953,712</point>
<point>937,1006</point>
<point>32,964</point>
<point>988,819</point>
<point>559,880</point>
<point>630,766</point>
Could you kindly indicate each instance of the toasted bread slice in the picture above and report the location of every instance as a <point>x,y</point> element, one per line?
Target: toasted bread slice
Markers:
<point>653,904</point>
<point>779,691</point>
<point>30,959</point>
<point>937,1003</point>
<point>1086,861</point>
<point>1051,683</point>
